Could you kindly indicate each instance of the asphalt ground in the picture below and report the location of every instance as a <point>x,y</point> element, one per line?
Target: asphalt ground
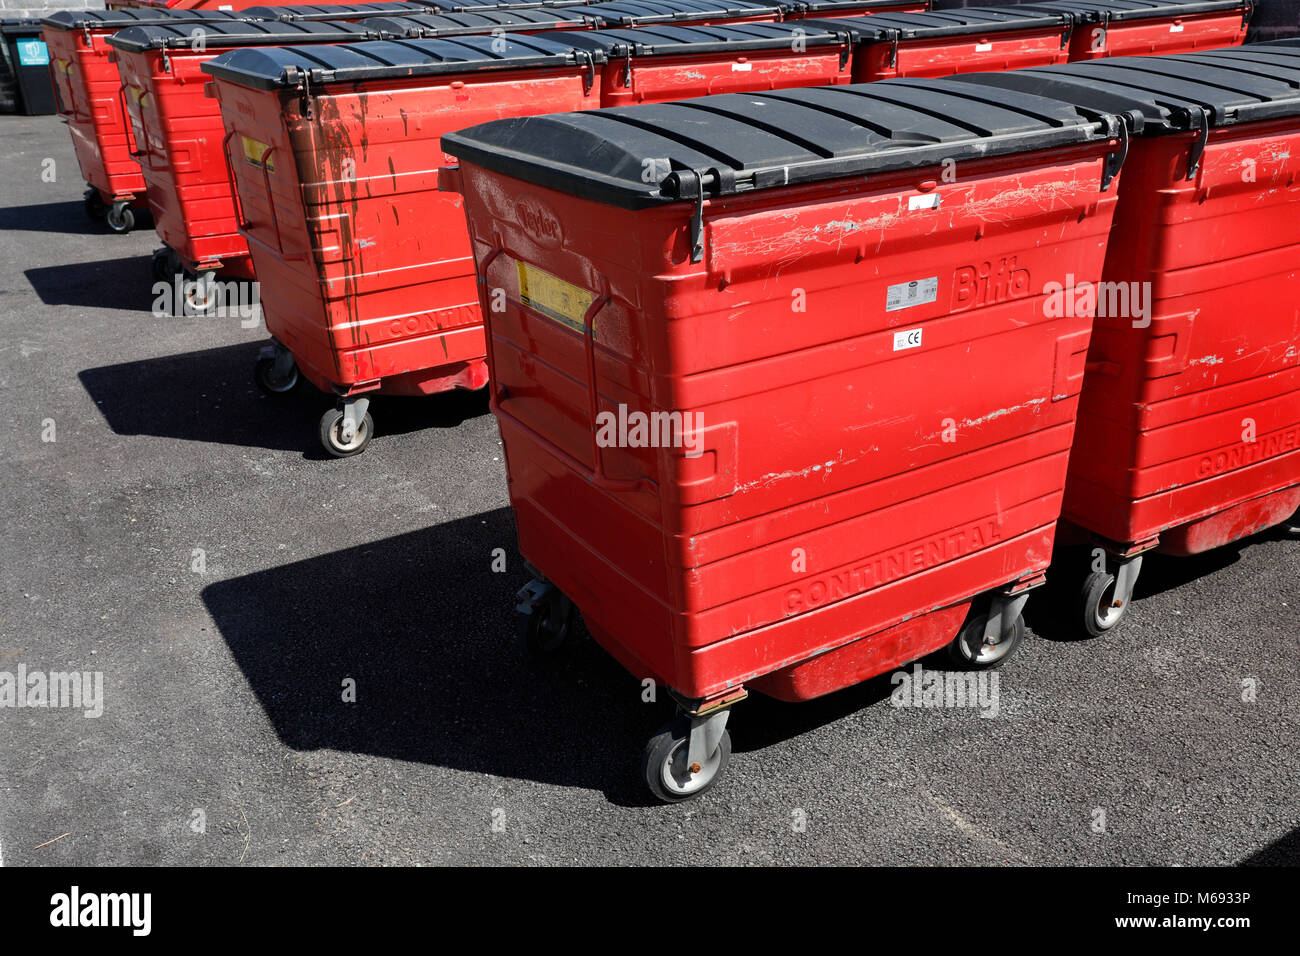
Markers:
<point>224,737</point>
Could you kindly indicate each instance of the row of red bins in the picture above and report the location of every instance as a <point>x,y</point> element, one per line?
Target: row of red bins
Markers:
<point>887,338</point>
<point>365,307</point>
<point>899,335</point>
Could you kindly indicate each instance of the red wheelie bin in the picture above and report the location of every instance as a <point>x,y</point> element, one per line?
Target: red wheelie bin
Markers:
<point>657,63</point>
<point>88,89</point>
<point>366,279</point>
<point>1189,425</point>
<point>780,404</point>
<point>181,145</point>
<point>1106,28</point>
<point>955,41</point>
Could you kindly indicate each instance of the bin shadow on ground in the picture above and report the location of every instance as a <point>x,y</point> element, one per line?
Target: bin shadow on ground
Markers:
<point>209,396</point>
<point>1282,852</point>
<point>67,217</point>
<point>125,283</point>
<point>427,631</point>
<point>1055,612</point>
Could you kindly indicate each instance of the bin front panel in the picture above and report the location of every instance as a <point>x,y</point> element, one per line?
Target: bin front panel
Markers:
<point>874,412</point>
<point>1107,28</point>
<point>957,41</point>
<point>653,64</point>
<point>365,265</point>
<point>1191,404</point>
<point>177,129</point>
<point>635,13</point>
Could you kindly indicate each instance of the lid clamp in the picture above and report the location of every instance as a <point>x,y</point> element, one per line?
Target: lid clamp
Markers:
<point>697,219</point>
<point>1067,30</point>
<point>1247,11</point>
<point>305,97</point>
<point>1115,160</point>
<point>893,49</point>
<point>589,77</point>
<point>846,48</point>
<point>1202,120</point>
<point>85,29</point>
<point>166,61</point>
<point>627,67</point>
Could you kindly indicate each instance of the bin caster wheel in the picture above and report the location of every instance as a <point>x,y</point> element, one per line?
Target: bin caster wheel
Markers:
<point>1098,604</point>
<point>665,768</point>
<point>336,442</point>
<point>271,381</point>
<point>972,650</point>
<point>165,265</point>
<point>120,218</point>
<point>200,294</point>
<point>545,627</point>
<point>94,205</point>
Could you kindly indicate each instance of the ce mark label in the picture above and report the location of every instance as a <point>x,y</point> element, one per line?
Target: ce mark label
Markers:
<point>907,339</point>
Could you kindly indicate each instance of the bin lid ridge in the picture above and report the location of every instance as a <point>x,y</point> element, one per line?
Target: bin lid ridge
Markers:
<point>1094,11</point>
<point>238,33</point>
<point>278,67</point>
<point>663,39</point>
<point>332,11</point>
<point>117,19</point>
<point>454,24</point>
<point>1171,93</point>
<point>749,140</point>
<point>973,20</point>
<point>631,12</point>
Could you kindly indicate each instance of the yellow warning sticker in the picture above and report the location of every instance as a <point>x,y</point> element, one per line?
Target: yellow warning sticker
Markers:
<point>138,96</point>
<point>255,151</point>
<point>553,297</point>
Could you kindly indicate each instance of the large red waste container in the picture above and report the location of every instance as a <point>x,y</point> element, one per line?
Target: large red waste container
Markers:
<point>635,13</point>
<point>652,64</point>
<point>522,22</point>
<point>806,9</point>
<point>780,405</point>
<point>89,98</point>
<point>365,271</point>
<point>181,145</point>
<point>955,41</point>
<point>1106,28</point>
<point>1189,426</point>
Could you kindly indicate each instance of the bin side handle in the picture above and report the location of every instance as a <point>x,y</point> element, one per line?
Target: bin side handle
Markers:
<point>241,223</point>
<point>130,132</point>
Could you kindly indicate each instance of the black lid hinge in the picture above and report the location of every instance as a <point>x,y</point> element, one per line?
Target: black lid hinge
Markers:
<point>1115,160</point>
<point>1202,120</point>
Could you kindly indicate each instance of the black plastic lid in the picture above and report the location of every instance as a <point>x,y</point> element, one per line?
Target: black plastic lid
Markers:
<point>833,6</point>
<point>333,11</point>
<point>736,142</point>
<point>1095,11</point>
<point>120,19</point>
<point>1166,94</point>
<point>21,25</point>
<point>468,24</point>
<point>631,13</point>
<point>478,6</point>
<point>238,33</point>
<point>669,40</point>
<point>969,22</point>
<point>288,67</point>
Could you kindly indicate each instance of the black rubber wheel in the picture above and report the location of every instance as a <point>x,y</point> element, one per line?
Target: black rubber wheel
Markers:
<point>547,630</point>
<point>1097,604</point>
<point>165,266</point>
<point>331,434</point>
<point>663,764</point>
<point>94,205</point>
<point>266,379</point>
<point>120,219</point>
<point>970,652</point>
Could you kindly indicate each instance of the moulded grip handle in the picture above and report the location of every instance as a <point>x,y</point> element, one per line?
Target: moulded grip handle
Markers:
<point>1068,369</point>
<point>240,222</point>
<point>598,476</point>
<point>1177,327</point>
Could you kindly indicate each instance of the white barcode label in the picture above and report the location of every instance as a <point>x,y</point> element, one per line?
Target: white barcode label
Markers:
<point>983,47</point>
<point>741,67</point>
<point>907,339</point>
<point>904,295</point>
<point>1176,28</point>
<point>923,202</point>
